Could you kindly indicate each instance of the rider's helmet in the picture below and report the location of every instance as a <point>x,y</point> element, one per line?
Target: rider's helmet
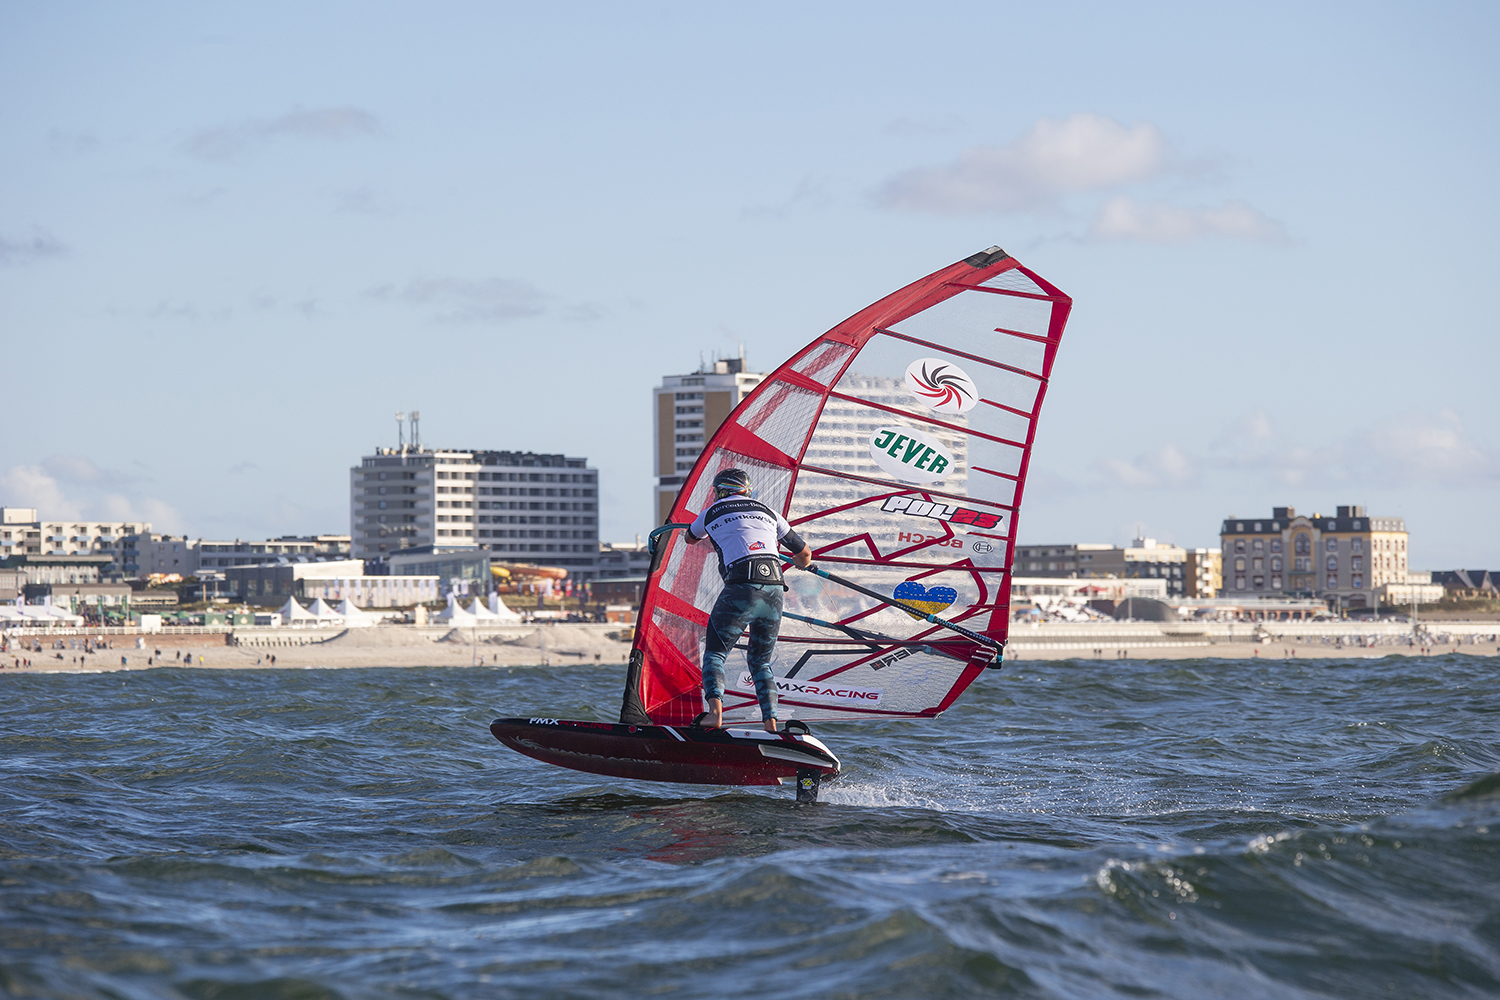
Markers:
<point>731,482</point>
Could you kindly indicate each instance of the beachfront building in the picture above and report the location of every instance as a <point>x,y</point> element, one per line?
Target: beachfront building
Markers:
<point>623,559</point>
<point>219,555</point>
<point>1203,573</point>
<point>520,506</point>
<point>1058,560</point>
<point>1467,583</point>
<point>1420,587</point>
<point>1342,560</point>
<point>1142,559</point>
<point>162,555</point>
<point>686,410</point>
<point>270,584</point>
<point>91,567</point>
<point>23,533</point>
<point>166,554</point>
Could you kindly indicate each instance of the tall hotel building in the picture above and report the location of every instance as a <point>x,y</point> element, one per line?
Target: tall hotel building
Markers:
<point>688,409</point>
<point>521,506</point>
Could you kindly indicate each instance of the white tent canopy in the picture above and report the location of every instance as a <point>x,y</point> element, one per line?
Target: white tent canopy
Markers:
<point>479,611</point>
<point>454,614</point>
<point>356,617</point>
<point>39,614</point>
<point>500,611</point>
<point>321,611</point>
<point>291,612</point>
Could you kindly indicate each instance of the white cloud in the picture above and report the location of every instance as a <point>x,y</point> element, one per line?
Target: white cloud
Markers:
<point>462,300</point>
<point>32,486</point>
<point>27,250</point>
<point>1415,448</point>
<point>1124,218</point>
<point>1166,468</point>
<point>71,486</point>
<point>810,193</point>
<point>1432,449</point>
<point>1081,153</point>
<point>228,142</point>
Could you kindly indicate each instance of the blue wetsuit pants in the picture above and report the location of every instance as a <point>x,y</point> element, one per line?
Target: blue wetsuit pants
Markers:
<point>740,605</point>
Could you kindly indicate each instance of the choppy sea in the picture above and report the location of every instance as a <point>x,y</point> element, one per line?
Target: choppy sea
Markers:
<point>1085,828</point>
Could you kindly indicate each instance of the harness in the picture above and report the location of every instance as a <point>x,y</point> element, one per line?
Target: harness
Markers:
<point>755,569</point>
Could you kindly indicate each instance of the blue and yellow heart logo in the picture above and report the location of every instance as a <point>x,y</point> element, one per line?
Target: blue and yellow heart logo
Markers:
<point>929,600</point>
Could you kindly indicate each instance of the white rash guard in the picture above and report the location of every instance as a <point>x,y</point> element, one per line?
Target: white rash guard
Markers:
<point>742,529</point>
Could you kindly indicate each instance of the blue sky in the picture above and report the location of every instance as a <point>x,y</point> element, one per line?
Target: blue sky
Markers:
<point>235,239</point>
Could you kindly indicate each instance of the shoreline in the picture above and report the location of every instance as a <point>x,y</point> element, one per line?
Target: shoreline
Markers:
<point>329,656</point>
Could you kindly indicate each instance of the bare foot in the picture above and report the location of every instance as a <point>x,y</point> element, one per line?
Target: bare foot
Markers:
<point>770,725</point>
<point>715,714</point>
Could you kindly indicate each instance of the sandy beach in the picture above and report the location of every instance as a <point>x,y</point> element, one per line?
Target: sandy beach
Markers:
<point>548,645</point>
<point>1241,651</point>
<point>553,645</point>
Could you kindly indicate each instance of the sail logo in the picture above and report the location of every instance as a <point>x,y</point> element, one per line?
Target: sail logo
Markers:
<point>909,455</point>
<point>812,689</point>
<point>942,385</point>
<point>951,513</point>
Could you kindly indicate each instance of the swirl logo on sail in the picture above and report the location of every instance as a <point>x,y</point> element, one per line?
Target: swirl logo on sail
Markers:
<point>942,385</point>
<point>909,455</point>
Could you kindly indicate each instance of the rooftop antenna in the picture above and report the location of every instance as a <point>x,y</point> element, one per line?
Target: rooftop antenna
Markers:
<point>401,430</point>
<point>416,435</point>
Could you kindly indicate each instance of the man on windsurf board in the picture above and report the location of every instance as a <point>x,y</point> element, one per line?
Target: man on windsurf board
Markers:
<point>746,534</point>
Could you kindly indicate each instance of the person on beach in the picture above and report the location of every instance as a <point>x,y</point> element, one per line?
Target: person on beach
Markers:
<point>745,533</point>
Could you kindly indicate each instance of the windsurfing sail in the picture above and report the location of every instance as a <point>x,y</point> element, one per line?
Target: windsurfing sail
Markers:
<point>897,445</point>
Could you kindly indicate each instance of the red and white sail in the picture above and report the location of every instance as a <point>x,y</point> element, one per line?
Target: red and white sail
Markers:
<point>897,445</point>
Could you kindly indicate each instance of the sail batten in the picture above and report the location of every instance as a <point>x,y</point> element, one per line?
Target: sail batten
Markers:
<point>873,442</point>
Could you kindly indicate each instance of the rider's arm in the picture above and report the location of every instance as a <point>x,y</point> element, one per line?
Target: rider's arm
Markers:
<point>698,530</point>
<point>800,550</point>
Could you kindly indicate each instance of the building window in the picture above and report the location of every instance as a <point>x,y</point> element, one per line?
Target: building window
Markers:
<point>1304,545</point>
<point>1239,565</point>
<point>1275,563</point>
<point>1260,583</point>
<point>1275,545</point>
<point>1239,546</point>
<point>1239,583</point>
<point>1333,562</point>
<point>1356,545</point>
<point>1356,562</point>
<point>1260,546</point>
<point>1357,582</point>
<point>1275,583</point>
<point>1332,545</point>
<point>1257,563</point>
<point>1333,581</point>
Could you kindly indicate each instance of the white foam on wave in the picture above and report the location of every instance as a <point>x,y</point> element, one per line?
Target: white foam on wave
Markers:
<point>945,798</point>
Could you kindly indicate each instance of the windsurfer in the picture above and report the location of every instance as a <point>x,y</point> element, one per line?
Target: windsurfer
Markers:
<point>746,533</point>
